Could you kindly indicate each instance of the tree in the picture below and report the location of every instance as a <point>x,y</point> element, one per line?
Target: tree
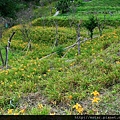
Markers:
<point>63,6</point>
<point>1,26</point>
<point>5,62</point>
<point>8,8</point>
<point>90,25</point>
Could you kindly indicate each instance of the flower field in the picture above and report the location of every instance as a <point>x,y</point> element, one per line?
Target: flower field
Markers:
<point>56,85</point>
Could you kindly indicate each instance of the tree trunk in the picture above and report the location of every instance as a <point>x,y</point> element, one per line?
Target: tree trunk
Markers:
<point>79,46</point>
<point>2,58</point>
<point>56,34</point>
<point>91,34</point>
<point>9,41</point>
<point>56,26</point>
<point>7,49</point>
<point>0,33</point>
<point>100,30</point>
<point>78,37</point>
<point>6,59</point>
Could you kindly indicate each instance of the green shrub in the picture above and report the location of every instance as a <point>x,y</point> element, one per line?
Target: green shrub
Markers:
<point>90,25</point>
<point>60,50</point>
<point>49,21</point>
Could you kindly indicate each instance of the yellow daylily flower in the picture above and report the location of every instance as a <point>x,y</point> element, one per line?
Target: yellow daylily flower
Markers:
<point>95,100</point>
<point>10,111</point>
<point>80,110</point>
<point>95,93</point>
<point>77,106</point>
<point>22,111</point>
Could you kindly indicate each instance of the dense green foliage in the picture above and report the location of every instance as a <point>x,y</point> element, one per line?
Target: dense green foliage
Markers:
<point>60,50</point>
<point>8,8</point>
<point>63,6</point>
<point>80,12</point>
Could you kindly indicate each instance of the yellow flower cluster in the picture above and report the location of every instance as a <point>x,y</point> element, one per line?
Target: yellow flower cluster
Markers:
<point>78,108</point>
<point>10,112</point>
<point>95,98</point>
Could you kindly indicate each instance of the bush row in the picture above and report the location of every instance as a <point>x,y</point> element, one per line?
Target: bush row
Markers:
<point>50,21</point>
<point>45,35</point>
<point>66,22</point>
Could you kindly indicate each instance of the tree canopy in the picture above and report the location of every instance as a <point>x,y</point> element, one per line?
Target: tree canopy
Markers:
<point>8,8</point>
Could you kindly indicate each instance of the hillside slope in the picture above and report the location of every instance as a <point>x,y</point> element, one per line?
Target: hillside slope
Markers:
<point>44,79</point>
<point>41,85</point>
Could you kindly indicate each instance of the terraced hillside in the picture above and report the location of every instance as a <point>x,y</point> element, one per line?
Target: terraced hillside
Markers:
<point>44,79</point>
<point>109,9</point>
